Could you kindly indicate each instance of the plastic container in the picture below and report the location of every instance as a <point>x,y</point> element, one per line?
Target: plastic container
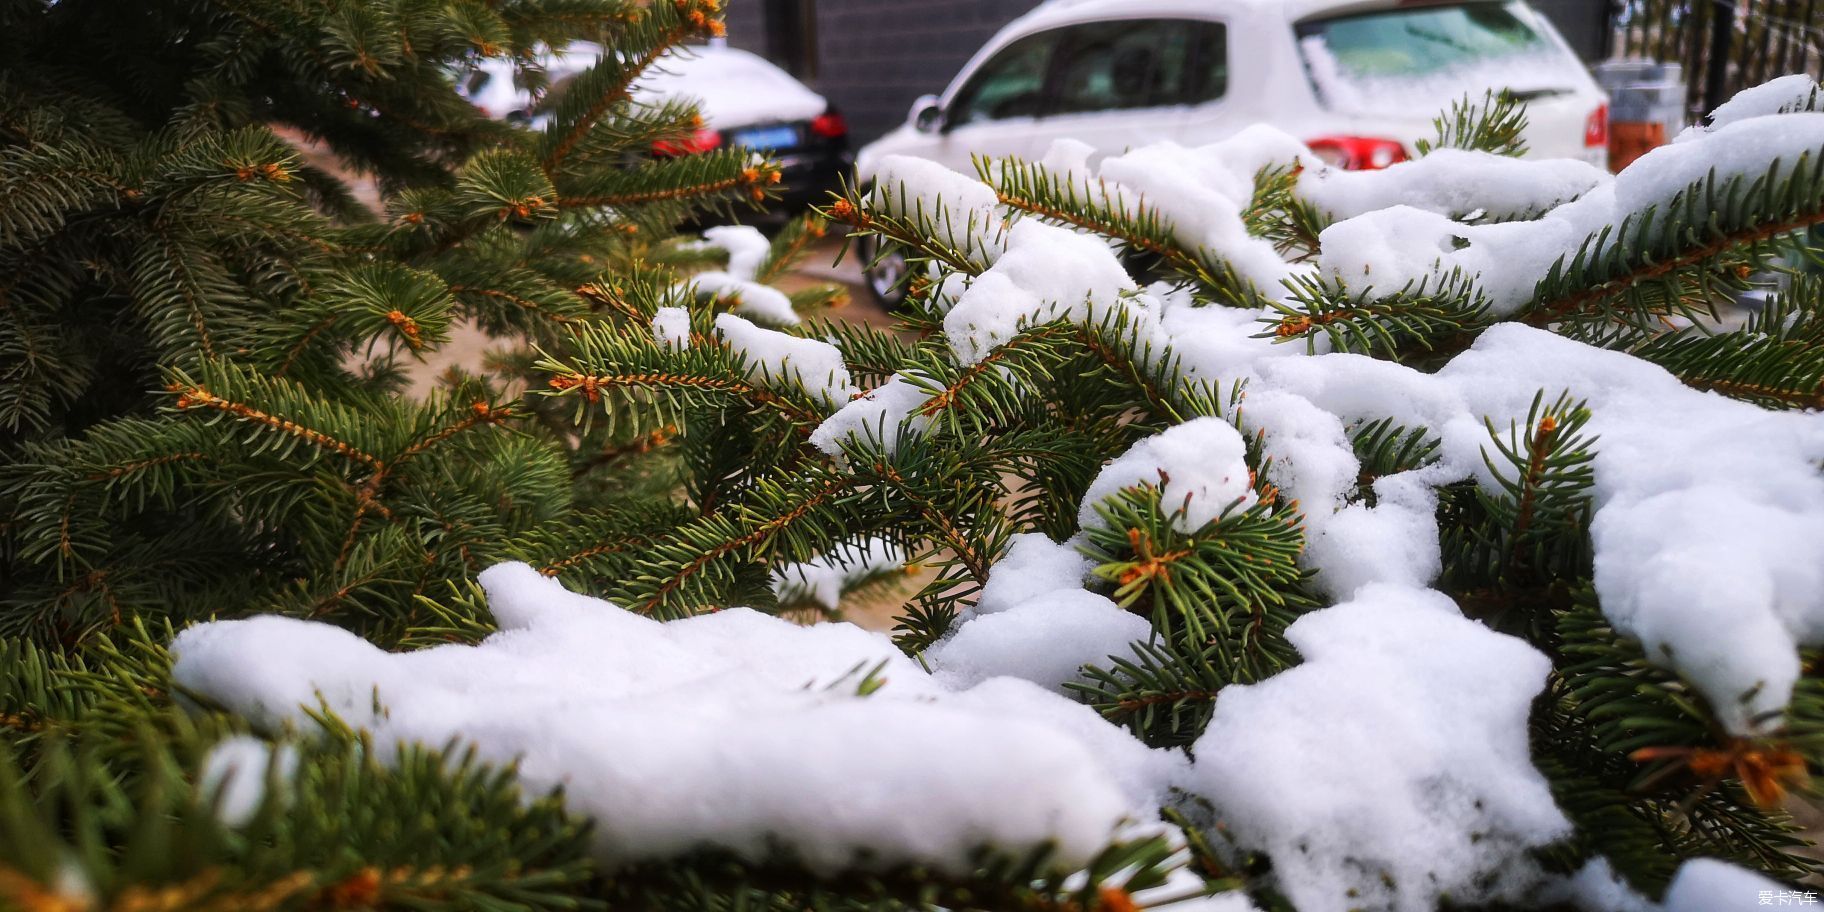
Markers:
<point>1646,106</point>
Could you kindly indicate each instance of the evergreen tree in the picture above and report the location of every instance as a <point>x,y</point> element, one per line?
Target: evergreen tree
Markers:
<point>203,417</point>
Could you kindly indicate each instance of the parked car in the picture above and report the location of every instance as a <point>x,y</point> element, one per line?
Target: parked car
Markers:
<point>745,101</point>
<point>1359,80</point>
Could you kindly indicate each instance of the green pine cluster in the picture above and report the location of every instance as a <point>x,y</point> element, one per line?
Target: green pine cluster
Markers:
<point>202,344</point>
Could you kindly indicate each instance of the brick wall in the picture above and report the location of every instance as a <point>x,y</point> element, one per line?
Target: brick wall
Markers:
<point>875,56</point>
<point>1584,24</point>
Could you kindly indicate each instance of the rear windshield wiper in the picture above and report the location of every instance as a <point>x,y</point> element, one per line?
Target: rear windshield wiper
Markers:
<point>1534,94</point>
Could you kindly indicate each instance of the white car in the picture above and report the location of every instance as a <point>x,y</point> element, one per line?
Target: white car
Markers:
<point>744,101</point>
<point>1358,80</point>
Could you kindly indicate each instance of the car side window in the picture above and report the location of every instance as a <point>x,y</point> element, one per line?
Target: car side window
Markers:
<point>1125,64</point>
<point>1010,84</point>
<point>1209,79</point>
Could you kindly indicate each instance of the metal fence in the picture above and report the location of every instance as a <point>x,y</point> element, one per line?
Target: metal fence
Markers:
<point>1724,45</point>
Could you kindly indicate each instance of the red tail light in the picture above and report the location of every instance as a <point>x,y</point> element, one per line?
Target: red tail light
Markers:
<point>1358,153</point>
<point>703,140</point>
<point>830,125</point>
<point>1596,129</point>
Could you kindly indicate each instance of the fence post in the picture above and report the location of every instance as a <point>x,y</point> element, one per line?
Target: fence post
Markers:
<point>1716,72</point>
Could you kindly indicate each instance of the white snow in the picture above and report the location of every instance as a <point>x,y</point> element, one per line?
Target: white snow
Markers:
<point>1710,885</point>
<point>1597,888</point>
<point>732,87</point>
<point>1046,273</point>
<point>1709,530</point>
<point>1203,191</point>
<point>750,299</point>
<point>1199,467</point>
<point>1044,640</point>
<point>671,327</point>
<point>733,729</point>
<point>1391,767</point>
<point>963,212</point>
<point>823,580</point>
<point>1033,566</point>
<point>773,356</point>
<point>746,247</point>
<point>234,772</point>
<point>1453,183</point>
<point>879,417</point>
<point>1777,96</point>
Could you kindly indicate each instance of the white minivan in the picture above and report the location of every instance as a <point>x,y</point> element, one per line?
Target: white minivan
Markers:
<point>1358,80</point>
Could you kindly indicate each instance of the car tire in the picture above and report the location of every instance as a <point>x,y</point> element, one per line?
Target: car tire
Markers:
<point>884,274</point>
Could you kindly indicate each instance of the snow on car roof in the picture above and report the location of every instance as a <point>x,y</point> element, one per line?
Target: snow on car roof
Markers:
<point>1063,11</point>
<point>733,87</point>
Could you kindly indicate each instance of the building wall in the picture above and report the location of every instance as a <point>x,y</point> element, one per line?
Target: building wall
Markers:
<point>1584,23</point>
<point>874,57</point>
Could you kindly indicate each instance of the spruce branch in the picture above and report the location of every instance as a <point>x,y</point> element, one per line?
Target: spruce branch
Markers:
<point>1163,695</point>
<point>790,246</point>
<point>195,394</point>
<point>1279,215</point>
<point>1776,360</point>
<point>1235,580</point>
<point>659,27</point>
<point>1663,261</point>
<point>1513,550</point>
<point>1386,448</point>
<point>927,234</point>
<point>1418,318</point>
<point>1496,124</point>
<point>708,177</point>
<point>1066,200</point>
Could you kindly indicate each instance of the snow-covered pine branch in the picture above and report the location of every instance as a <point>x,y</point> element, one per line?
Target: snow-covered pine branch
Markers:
<point>1419,673</point>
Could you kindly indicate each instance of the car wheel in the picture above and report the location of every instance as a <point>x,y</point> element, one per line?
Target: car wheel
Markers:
<point>884,274</point>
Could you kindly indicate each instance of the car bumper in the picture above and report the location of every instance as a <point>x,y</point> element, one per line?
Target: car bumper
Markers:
<point>807,179</point>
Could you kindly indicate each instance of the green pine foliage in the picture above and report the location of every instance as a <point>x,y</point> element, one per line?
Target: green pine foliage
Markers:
<point>202,415</point>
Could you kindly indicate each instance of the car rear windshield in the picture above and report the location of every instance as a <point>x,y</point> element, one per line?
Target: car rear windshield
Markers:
<point>1423,56</point>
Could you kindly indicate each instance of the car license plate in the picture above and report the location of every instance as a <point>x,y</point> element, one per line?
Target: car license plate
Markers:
<point>768,139</point>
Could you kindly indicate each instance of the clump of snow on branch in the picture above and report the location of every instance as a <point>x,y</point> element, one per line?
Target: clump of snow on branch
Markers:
<point>1784,95</point>
<point>747,248</point>
<point>735,729</point>
<point>671,327</point>
<point>1200,468</point>
<point>877,417</point>
<point>1033,566</point>
<point>774,357</point>
<point>1391,766</point>
<point>234,775</point>
<point>1046,273</point>
<point>1455,183</point>
<point>1046,640</point>
<point>961,211</point>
